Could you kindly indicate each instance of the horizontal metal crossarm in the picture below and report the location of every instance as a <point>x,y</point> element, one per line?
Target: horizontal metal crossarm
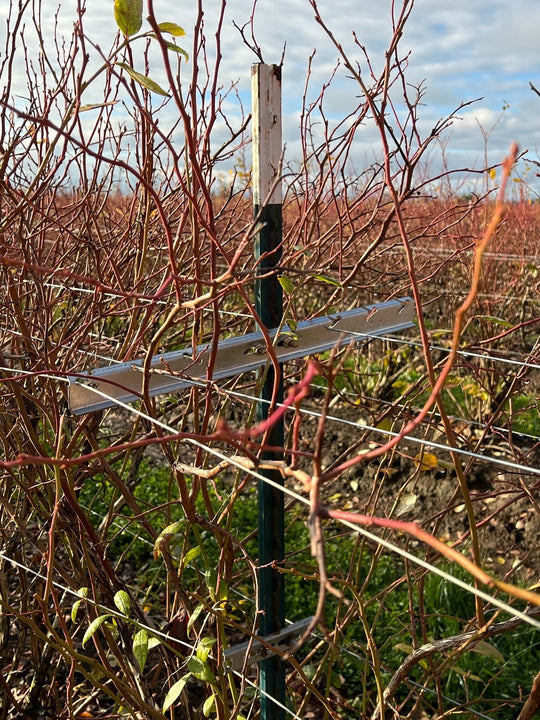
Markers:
<point>257,650</point>
<point>173,371</point>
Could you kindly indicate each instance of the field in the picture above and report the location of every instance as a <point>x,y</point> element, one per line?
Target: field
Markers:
<point>410,462</point>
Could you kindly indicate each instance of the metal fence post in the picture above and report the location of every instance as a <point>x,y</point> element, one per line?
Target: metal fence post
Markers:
<point>267,150</point>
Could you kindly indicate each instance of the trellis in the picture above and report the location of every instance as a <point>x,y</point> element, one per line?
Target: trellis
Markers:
<point>125,382</point>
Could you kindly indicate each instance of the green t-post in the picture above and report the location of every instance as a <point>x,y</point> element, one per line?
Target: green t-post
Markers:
<point>267,150</point>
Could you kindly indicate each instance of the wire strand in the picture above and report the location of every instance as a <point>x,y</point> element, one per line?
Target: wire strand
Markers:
<point>439,348</point>
<point>358,529</point>
<point>142,626</point>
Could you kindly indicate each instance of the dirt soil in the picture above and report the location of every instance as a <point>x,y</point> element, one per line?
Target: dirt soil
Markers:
<point>506,503</point>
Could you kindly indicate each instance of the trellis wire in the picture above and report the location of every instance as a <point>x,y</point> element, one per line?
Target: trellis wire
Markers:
<point>358,529</point>
<point>457,418</point>
<point>462,353</point>
<point>484,355</point>
<point>357,424</point>
<point>123,296</point>
<point>390,546</point>
<point>423,688</point>
<point>142,626</point>
<point>486,296</point>
<point>364,426</point>
<point>315,635</point>
<point>192,648</point>
<point>390,433</point>
<point>459,252</point>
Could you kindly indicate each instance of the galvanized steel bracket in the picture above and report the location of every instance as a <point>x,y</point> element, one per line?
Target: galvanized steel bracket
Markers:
<point>254,650</point>
<point>173,371</point>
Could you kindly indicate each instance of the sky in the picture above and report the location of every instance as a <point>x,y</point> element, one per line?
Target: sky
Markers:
<point>460,50</point>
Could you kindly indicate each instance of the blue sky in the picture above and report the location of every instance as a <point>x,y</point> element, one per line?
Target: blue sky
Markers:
<point>461,50</point>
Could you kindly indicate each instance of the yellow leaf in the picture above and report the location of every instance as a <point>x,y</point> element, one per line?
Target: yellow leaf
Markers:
<point>484,648</point>
<point>466,673</point>
<point>404,647</point>
<point>128,15</point>
<point>426,461</point>
<point>172,28</point>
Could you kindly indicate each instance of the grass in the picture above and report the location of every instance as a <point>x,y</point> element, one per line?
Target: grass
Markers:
<point>393,377</point>
<point>524,409</point>
<point>401,612</point>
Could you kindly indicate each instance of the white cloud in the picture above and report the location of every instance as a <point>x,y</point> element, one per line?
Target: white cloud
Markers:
<point>463,50</point>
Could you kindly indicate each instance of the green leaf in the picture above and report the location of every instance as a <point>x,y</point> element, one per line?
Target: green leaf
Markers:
<point>83,593</point>
<point>172,28</point>
<point>173,46</point>
<point>201,670</point>
<point>177,49</point>
<point>143,80</point>
<point>439,333</point>
<point>191,555</point>
<point>94,625</point>
<point>204,647</point>
<point>175,691</point>
<point>128,15</point>
<point>165,536</point>
<point>140,648</point>
<point>94,106</point>
<point>194,615</point>
<point>123,602</point>
<point>286,283</point>
<point>223,591</point>
<point>208,705</point>
<point>211,578</point>
<point>325,279</point>
<point>153,642</point>
<point>496,320</point>
<point>75,610</point>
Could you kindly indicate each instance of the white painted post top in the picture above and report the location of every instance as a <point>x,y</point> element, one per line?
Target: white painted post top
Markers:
<point>267,142</point>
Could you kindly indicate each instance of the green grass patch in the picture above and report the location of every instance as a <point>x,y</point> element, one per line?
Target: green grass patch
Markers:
<point>382,604</point>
